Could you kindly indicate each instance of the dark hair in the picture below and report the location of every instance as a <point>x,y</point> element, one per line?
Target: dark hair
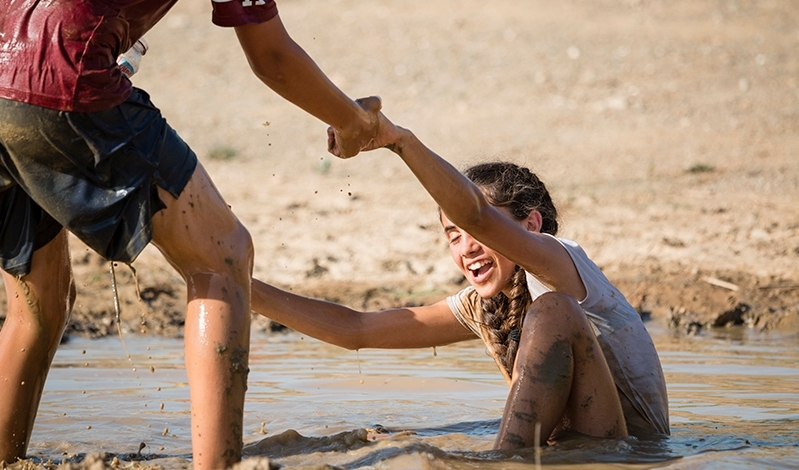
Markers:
<point>520,191</point>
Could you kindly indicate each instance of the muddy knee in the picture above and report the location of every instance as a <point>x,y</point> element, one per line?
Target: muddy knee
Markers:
<point>238,252</point>
<point>558,316</point>
<point>554,301</point>
<point>553,306</point>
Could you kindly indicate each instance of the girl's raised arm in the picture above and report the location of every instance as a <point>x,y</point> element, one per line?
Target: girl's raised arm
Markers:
<point>467,207</point>
<point>399,328</point>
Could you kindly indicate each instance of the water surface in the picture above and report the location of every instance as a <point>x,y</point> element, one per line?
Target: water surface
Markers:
<point>734,398</point>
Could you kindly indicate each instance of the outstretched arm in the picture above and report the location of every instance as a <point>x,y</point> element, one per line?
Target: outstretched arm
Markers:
<point>287,69</point>
<point>400,328</point>
<point>467,207</point>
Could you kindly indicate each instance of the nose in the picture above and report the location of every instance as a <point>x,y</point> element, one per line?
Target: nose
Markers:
<point>469,246</point>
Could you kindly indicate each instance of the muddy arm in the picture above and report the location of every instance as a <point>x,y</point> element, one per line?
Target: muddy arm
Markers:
<point>399,328</point>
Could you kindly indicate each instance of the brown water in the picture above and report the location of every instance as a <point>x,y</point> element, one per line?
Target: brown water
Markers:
<point>734,398</point>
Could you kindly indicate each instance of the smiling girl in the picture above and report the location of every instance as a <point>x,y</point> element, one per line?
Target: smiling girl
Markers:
<point>574,352</point>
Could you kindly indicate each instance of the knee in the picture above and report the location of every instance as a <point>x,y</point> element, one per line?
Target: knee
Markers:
<point>554,301</point>
<point>554,310</point>
<point>63,304</point>
<point>242,251</point>
<point>232,254</point>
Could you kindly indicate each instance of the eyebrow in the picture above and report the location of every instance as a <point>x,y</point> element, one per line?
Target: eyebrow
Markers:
<point>449,228</point>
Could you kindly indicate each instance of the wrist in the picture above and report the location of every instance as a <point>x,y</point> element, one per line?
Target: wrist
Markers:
<point>397,140</point>
<point>400,140</point>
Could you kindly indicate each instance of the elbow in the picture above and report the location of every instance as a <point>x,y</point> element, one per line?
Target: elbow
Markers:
<point>351,343</point>
<point>348,333</point>
<point>269,68</point>
<point>365,332</point>
<point>352,347</point>
<point>358,339</point>
<point>269,51</point>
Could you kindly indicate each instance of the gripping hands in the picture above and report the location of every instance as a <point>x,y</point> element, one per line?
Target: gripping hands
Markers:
<point>346,143</point>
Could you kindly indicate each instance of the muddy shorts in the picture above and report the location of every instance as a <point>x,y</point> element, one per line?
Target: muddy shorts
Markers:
<point>95,174</point>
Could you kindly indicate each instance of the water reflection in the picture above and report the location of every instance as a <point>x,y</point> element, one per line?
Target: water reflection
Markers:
<point>734,398</point>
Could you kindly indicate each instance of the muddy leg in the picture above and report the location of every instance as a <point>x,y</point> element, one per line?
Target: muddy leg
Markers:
<point>204,241</point>
<point>38,309</point>
<point>560,372</point>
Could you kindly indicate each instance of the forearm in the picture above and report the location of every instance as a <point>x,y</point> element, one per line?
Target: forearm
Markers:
<point>458,197</point>
<point>287,69</point>
<point>397,328</point>
<point>299,80</point>
<point>325,321</point>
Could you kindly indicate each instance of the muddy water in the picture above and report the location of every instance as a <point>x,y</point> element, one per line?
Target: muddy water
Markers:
<point>734,398</point>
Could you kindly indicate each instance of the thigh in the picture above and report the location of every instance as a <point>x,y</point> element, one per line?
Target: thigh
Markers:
<point>197,231</point>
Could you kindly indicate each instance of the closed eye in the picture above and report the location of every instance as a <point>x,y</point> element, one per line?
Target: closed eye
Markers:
<point>452,233</point>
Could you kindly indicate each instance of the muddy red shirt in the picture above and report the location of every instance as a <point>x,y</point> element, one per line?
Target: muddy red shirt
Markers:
<point>61,54</point>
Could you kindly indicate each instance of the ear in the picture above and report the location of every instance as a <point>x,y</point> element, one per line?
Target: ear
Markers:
<point>534,221</point>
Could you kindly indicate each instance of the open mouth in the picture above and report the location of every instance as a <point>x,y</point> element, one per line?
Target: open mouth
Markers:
<point>479,268</point>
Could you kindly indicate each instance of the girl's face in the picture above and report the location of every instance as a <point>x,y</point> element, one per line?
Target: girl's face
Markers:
<point>487,271</point>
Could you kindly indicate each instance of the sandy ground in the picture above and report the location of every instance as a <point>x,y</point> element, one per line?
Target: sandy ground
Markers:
<point>666,131</point>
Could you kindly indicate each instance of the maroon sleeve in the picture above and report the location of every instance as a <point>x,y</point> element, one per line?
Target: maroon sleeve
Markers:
<point>242,12</point>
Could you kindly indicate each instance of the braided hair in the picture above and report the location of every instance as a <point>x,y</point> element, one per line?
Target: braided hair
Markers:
<point>520,191</point>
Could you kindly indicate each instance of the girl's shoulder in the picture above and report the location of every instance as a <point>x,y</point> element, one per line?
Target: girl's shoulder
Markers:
<point>465,305</point>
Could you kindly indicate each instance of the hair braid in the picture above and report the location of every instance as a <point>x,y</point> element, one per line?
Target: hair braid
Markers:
<point>503,317</point>
<point>521,191</point>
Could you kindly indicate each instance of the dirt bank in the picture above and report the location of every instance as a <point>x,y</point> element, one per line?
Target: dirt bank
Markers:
<point>666,130</point>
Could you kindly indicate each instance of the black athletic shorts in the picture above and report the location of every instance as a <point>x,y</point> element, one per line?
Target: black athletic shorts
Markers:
<point>94,174</point>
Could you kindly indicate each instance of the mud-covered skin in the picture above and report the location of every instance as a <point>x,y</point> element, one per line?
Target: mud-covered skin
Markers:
<point>560,379</point>
<point>238,360</point>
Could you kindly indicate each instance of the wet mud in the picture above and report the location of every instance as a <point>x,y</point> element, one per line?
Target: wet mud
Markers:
<point>733,395</point>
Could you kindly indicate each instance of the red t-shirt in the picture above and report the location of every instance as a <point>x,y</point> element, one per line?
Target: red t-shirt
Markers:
<point>62,54</point>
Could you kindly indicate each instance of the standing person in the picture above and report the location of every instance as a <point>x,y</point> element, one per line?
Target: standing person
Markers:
<point>83,151</point>
<point>575,353</point>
